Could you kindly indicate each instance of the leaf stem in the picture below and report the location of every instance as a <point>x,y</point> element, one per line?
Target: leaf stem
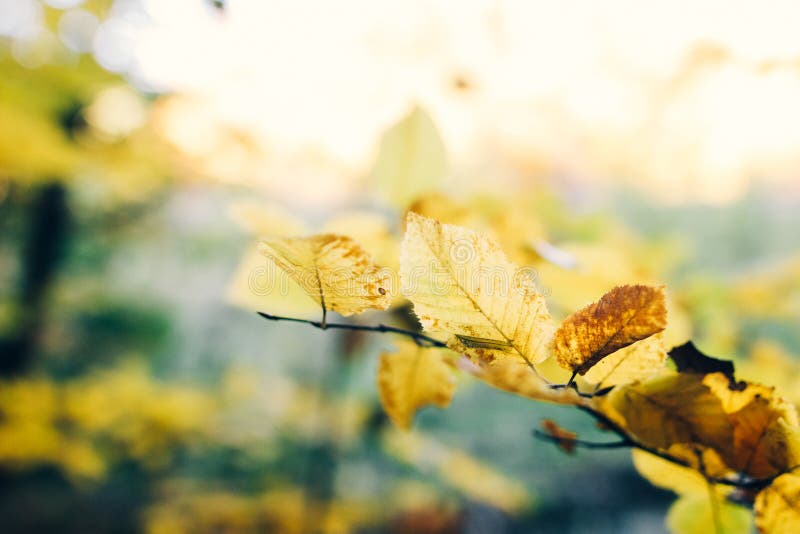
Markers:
<point>420,339</point>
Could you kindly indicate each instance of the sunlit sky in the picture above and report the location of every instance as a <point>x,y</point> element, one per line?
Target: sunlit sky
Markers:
<point>690,99</point>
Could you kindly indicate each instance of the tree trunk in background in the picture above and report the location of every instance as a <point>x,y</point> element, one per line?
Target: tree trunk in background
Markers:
<point>41,251</point>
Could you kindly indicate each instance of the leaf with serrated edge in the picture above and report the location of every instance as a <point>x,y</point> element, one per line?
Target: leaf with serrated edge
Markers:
<point>462,284</point>
<point>333,270</point>
<point>414,377</point>
<point>624,315</point>
<point>765,427</point>
<point>778,506</point>
<point>635,362</point>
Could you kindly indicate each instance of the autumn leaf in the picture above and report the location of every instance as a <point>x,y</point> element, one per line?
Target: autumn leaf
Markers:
<point>624,315</point>
<point>563,438</point>
<point>669,410</point>
<point>414,377</point>
<point>778,506</point>
<point>697,514</point>
<point>690,360</point>
<point>640,360</point>
<point>765,427</point>
<point>333,270</point>
<point>462,284</point>
<point>669,475</point>
<point>515,376</point>
<point>411,160</point>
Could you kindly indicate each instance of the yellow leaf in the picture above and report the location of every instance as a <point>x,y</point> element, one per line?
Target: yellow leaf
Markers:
<point>372,232</point>
<point>669,410</point>
<point>462,284</point>
<point>412,378</point>
<point>411,160</point>
<point>624,315</point>
<point>641,360</point>
<point>669,475</point>
<point>515,376</point>
<point>765,427</point>
<point>696,514</point>
<point>778,506</point>
<point>333,270</point>
<point>258,284</point>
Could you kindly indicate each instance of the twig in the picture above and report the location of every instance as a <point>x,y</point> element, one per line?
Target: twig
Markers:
<point>741,481</point>
<point>420,339</point>
<point>581,443</point>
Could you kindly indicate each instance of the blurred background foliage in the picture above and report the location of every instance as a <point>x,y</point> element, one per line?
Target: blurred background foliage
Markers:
<point>145,144</point>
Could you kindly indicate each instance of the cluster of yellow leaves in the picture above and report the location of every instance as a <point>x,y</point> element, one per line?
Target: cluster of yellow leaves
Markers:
<point>71,424</point>
<point>285,509</point>
<point>467,293</point>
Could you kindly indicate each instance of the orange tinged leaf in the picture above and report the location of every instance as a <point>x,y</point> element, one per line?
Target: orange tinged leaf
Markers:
<point>563,438</point>
<point>623,316</point>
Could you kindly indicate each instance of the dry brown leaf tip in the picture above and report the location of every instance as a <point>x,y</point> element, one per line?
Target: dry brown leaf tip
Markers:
<point>623,316</point>
<point>334,270</point>
<point>561,437</point>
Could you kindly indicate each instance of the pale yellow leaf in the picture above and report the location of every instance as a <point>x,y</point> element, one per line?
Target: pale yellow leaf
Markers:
<point>461,284</point>
<point>414,377</point>
<point>258,284</point>
<point>333,270</point>
<point>411,160</point>
<point>624,315</point>
<point>640,360</point>
<point>669,475</point>
<point>515,376</point>
<point>696,514</point>
<point>778,506</point>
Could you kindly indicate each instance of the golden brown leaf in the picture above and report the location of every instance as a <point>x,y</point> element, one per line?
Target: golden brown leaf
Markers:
<point>333,270</point>
<point>414,377</point>
<point>765,427</point>
<point>670,410</point>
<point>778,506</point>
<point>462,284</point>
<point>624,315</point>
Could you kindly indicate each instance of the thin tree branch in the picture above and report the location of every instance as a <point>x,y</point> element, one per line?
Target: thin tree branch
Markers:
<point>581,443</point>
<point>626,440</point>
<point>741,481</point>
<point>420,339</point>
